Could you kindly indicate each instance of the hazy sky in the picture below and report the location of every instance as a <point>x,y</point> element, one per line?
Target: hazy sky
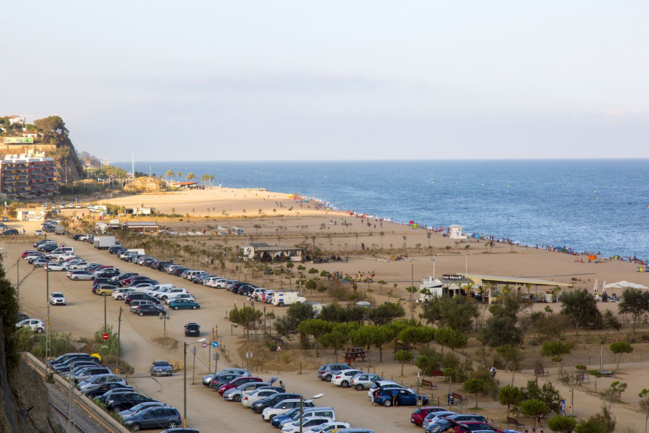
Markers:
<point>217,80</point>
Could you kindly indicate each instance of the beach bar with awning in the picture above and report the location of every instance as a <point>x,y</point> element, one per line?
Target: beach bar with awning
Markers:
<point>482,280</point>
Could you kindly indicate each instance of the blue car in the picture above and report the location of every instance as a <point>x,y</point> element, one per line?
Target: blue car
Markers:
<point>184,304</point>
<point>277,420</point>
<point>400,397</point>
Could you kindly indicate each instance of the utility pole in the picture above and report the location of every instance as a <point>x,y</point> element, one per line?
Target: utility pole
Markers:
<point>185,384</point>
<point>412,290</point>
<point>194,366</point>
<point>18,280</point>
<point>105,327</point>
<point>119,329</point>
<point>48,337</point>
<point>133,164</point>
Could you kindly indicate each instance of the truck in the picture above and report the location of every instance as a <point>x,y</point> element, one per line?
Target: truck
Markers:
<point>104,242</point>
<point>284,298</point>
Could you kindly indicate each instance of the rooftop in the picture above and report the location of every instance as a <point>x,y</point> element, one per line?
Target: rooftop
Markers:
<point>478,279</point>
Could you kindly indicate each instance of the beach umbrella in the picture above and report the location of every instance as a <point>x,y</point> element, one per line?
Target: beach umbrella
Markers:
<point>596,288</point>
<point>411,222</point>
<point>592,257</point>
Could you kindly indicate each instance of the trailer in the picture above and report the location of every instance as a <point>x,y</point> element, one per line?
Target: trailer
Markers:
<point>104,242</point>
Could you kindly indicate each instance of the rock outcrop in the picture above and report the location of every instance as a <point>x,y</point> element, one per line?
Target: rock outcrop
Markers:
<point>145,184</point>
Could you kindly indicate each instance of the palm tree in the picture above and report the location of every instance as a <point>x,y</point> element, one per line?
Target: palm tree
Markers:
<point>211,179</point>
<point>179,174</point>
<point>169,173</point>
<point>190,176</point>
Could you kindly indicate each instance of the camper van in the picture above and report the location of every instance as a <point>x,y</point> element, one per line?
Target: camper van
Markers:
<point>284,298</point>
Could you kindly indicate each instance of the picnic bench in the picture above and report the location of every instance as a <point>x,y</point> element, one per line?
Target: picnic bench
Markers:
<point>437,373</point>
<point>429,384</point>
<point>514,421</point>
<point>541,372</point>
<point>583,378</point>
<point>354,353</point>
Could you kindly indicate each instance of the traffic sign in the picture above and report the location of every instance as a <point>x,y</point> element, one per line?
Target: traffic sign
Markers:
<point>203,345</point>
<point>248,354</point>
<point>215,344</point>
<point>279,349</point>
<point>105,337</point>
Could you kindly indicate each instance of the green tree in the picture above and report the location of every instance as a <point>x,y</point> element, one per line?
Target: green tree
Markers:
<point>458,313</point>
<point>602,422</point>
<point>311,284</point>
<point>475,386</point>
<point>427,364</point>
<point>501,331</point>
<point>611,322</point>
<point>414,335</point>
<point>190,176</point>
<point>613,394</point>
<point>546,393</point>
<point>534,408</point>
<point>451,338</point>
<point>179,174</point>
<point>248,317</point>
<point>634,302</point>
<point>337,339</point>
<point>512,357</point>
<point>510,396</point>
<point>169,173</point>
<point>582,310</point>
<point>561,423</point>
<point>53,129</point>
<point>315,328</point>
<point>403,356</point>
<point>386,313</point>
<point>556,349</point>
<point>8,319</point>
<point>619,348</point>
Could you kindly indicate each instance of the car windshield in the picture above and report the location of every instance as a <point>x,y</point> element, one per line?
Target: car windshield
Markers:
<point>161,364</point>
<point>192,326</point>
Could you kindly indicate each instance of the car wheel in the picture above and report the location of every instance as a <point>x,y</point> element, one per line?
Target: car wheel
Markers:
<point>344,384</point>
<point>117,409</point>
<point>39,330</point>
<point>359,387</point>
<point>387,403</point>
<point>76,278</point>
<point>175,308</point>
<point>172,424</point>
<point>236,398</point>
<point>141,314</point>
<point>164,298</point>
<point>135,426</point>
<point>194,307</point>
<point>328,378</point>
<point>281,304</point>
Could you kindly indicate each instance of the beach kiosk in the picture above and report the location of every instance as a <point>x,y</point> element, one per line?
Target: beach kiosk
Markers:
<point>455,232</point>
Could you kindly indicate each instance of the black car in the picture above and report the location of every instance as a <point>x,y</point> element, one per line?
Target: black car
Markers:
<point>221,379</point>
<point>49,229</point>
<point>47,248</point>
<point>149,310</point>
<point>192,330</point>
<point>22,316</point>
<point>271,401</point>
<point>140,296</point>
<point>246,289</point>
<point>140,279</point>
<point>98,281</point>
<point>102,389</point>
<point>108,273</point>
<point>120,402</point>
<point>116,249</point>
<point>10,232</point>
<point>180,430</point>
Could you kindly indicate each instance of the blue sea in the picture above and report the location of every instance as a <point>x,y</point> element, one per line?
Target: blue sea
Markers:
<point>589,205</point>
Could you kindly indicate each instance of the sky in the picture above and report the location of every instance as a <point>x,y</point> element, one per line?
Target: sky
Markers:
<point>335,80</point>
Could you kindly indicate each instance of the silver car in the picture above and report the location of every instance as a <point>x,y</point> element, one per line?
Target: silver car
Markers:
<point>365,381</point>
<point>235,394</point>
<point>207,380</point>
<point>99,380</point>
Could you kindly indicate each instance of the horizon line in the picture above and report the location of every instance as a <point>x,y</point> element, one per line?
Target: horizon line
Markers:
<point>395,160</point>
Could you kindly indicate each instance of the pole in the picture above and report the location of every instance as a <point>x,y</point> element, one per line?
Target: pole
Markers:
<point>18,280</point>
<point>209,359</point>
<point>48,338</point>
<point>418,390</point>
<point>301,411</point>
<point>433,266</point>
<point>185,384</point>
<point>105,327</point>
<point>194,367</point>
<point>119,329</point>
<point>277,362</point>
<point>412,290</point>
<point>466,264</point>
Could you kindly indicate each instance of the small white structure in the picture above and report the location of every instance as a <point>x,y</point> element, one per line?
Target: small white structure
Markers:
<point>455,232</point>
<point>430,289</point>
<point>236,231</point>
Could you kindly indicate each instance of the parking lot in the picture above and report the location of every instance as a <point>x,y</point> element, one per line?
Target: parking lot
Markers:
<point>206,410</point>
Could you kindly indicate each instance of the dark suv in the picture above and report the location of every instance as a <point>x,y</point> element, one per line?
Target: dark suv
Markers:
<point>192,330</point>
<point>119,402</point>
<point>271,401</point>
<point>140,296</point>
<point>156,417</point>
<point>150,310</point>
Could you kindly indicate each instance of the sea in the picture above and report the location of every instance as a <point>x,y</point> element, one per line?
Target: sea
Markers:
<point>599,206</point>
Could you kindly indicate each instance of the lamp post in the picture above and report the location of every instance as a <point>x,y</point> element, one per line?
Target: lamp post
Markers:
<point>185,345</point>
<point>315,397</point>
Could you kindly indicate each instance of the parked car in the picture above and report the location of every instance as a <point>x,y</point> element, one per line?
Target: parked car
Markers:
<point>119,402</point>
<point>192,330</point>
<point>284,406</point>
<point>344,377</point>
<point>51,266</point>
<point>435,417</point>
<point>306,424</point>
<point>260,405</point>
<point>386,384</point>
<point>238,381</point>
<point>310,412</point>
<point>57,298</point>
<point>140,407</point>
<point>180,296</point>
<point>258,395</point>
<point>99,380</point>
<point>172,292</point>
<point>141,296</point>
<point>326,371</point>
<point>107,387</point>
<point>184,304</point>
<point>149,310</point>
<point>236,372</point>
<point>363,381</point>
<point>34,324</point>
<point>156,417</point>
<point>330,426</point>
<point>105,289</point>
<point>235,394</point>
<point>476,426</point>
<point>90,372</point>
<point>161,368</point>
<point>39,233</point>
<point>10,232</point>
<point>418,416</point>
<point>402,397</point>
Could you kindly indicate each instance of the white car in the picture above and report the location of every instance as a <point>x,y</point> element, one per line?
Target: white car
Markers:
<point>34,324</point>
<point>55,267</point>
<point>174,291</point>
<point>120,294</point>
<point>78,265</point>
<point>344,378</point>
<point>187,296</point>
<point>78,206</point>
<point>329,426</point>
<point>57,298</point>
<point>281,408</point>
<point>260,394</point>
<point>38,233</point>
<point>435,417</point>
<point>306,425</point>
<point>216,282</point>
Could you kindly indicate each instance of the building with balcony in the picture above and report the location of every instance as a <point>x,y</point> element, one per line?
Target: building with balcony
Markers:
<point>27,175</point>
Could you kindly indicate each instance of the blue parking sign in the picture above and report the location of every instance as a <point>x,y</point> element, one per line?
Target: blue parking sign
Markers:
<point>215,344</point>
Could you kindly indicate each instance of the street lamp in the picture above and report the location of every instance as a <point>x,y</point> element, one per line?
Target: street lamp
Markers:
<point>185,344</point>
<point>315,397</point>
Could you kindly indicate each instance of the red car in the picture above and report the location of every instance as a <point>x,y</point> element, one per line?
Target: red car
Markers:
<point>470,426</point>
<point>417,417</point>
<point>236,382</point>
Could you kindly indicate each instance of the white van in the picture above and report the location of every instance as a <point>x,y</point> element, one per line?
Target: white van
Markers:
<point>283,298</point>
